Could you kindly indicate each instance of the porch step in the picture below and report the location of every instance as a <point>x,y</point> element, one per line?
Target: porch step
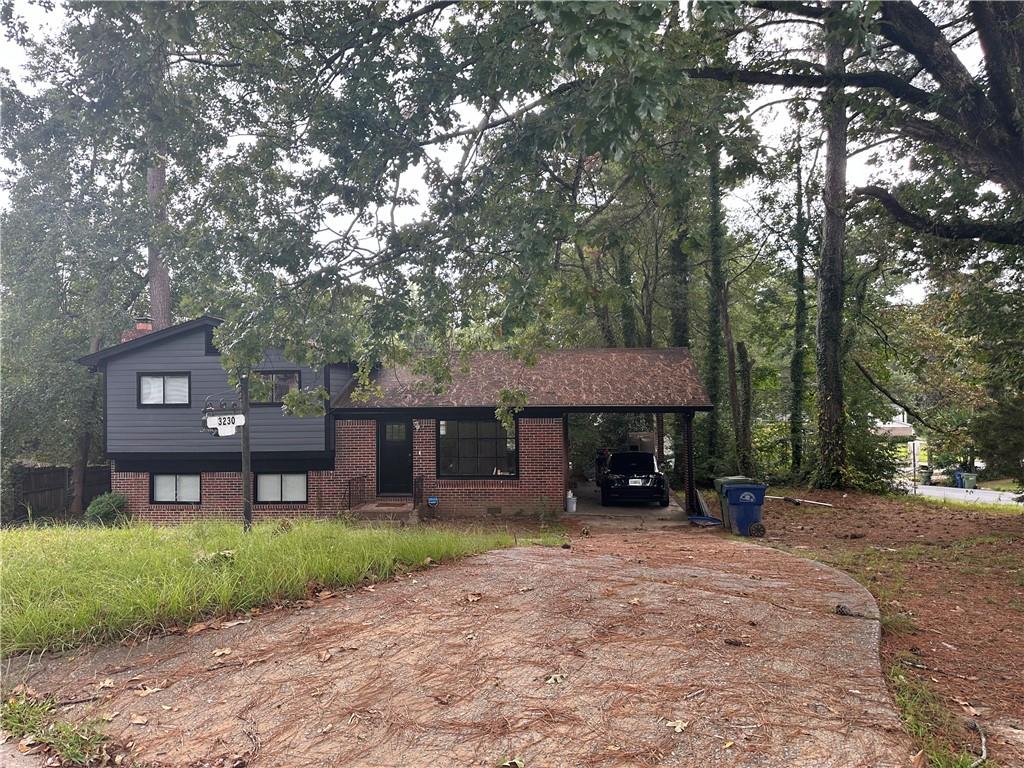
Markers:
<point>388,511</point>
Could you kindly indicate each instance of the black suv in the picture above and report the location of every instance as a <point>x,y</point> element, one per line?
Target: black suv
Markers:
<point>633,476</point>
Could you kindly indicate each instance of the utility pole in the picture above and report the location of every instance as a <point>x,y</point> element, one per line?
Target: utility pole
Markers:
<point>243,386</point>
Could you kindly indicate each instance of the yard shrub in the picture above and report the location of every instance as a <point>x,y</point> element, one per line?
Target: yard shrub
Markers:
<point>107,509</point>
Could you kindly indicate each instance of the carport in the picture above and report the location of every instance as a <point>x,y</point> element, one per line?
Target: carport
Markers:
<point>625,380</point>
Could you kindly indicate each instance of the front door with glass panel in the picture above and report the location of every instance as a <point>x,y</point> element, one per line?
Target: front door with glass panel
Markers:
<point>394,457</point>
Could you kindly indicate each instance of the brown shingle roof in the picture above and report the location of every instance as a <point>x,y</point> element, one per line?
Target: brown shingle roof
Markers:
<point>567,378</point>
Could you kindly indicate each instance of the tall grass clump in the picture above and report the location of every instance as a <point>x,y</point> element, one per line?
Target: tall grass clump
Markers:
<point>63,586</point>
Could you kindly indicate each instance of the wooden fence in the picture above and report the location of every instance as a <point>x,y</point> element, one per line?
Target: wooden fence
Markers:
<point>46,491</point>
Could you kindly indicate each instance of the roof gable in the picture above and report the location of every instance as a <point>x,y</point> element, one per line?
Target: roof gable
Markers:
<point>100,358</point>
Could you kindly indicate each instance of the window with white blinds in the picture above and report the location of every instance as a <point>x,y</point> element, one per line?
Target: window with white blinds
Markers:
<point>281,487</point>
<point>163,389</point>
<point>176,489</point>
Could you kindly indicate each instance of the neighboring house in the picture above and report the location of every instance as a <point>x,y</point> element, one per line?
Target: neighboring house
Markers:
<point>408,444</point>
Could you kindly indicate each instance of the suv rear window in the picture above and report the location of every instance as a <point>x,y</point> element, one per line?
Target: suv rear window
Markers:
<point>631,463</point>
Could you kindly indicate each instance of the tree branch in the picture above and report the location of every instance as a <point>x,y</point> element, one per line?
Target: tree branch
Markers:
<point>892,399</point>
<point>885,81</point>
<point>1010,233</point>
<point>486,126</point>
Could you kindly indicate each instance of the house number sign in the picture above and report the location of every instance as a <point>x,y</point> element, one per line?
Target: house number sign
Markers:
<point>224,424</point>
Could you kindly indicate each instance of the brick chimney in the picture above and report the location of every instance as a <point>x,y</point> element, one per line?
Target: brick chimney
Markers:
<point>143,325</point>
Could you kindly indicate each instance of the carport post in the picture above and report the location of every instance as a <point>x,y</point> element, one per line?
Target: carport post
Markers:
<point>692,506</point>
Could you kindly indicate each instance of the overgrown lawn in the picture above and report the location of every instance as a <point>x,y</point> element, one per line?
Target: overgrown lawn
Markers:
<point>64,586</point>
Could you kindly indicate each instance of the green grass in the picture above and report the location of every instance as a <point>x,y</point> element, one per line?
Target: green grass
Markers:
<point>1007,484</point>
<point>75,743</point>
<point>925,718</point>
<point>64,586</point>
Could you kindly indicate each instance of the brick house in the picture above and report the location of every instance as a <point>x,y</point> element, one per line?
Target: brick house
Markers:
<point>408,444</point>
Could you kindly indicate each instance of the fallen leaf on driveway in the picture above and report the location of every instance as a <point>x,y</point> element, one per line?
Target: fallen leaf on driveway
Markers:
<point>146,691</point>
<point>473,597</point>
<point>324,594</point>
<point>109,716</point>
<point>139,720</point>
<point>108,683</point>
<point>221,651</point>
<point>728,744</point>
<point>195,629</point>
<point>515,762</point>
<point>325,654</point>
<point>555,679</point>
<point>29,746</point>
<point>678,725</point>
<point>235,623</point>
<point>919,760</point>
<point>735,642</point>
<point>967,707</point>
<point>635,601</point>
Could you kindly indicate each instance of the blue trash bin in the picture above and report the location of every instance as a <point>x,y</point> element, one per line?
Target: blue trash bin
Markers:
<point>745,501</point>
<point>958,479</point>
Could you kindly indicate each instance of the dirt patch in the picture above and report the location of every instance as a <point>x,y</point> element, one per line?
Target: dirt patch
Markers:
<point>951,583</point>
<point>630,649</point>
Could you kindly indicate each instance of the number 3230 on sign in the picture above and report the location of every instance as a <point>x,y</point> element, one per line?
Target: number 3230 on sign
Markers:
<point>225,424</point>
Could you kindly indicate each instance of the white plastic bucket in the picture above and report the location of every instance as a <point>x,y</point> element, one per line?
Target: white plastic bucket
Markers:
<point>570,504</point>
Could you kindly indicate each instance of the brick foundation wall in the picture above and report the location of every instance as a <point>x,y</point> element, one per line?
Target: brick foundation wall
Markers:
<point>221,495</point>
<point>539,489</point>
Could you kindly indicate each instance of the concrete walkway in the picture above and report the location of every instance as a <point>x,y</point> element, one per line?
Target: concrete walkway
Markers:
<point>668,648</point>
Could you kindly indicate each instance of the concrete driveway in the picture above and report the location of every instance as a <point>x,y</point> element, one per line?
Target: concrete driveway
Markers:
<point>668,648</point>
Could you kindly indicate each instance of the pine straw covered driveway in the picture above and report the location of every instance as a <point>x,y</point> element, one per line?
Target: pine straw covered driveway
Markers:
<point>670,648</point>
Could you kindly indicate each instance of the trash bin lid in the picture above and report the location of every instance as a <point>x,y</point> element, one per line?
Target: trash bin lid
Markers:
<point>721,482</point>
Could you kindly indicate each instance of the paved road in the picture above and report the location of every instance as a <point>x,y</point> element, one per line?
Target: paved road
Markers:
<point>964,494</point>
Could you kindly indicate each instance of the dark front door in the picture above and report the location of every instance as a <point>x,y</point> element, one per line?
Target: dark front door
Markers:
<point>394,456</point>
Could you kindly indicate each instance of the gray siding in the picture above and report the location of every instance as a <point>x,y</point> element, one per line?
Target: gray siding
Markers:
<point>131,429</point>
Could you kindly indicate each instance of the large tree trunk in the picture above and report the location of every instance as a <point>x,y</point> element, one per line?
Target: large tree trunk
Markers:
<point>159,277</point>
<point>745,436</point>
<point>797,374</point>
<point>716,278</point>
<point>832,468</point>
<point>730,373</point>
<point>83,445</point>
<point>679,280</point>
<point>679,312</point>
